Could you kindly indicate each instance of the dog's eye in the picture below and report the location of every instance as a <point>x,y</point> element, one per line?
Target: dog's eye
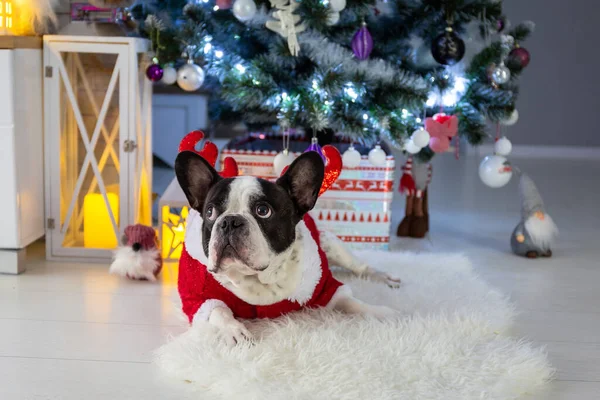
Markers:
<point>263,210</point>
<point>211,213</point>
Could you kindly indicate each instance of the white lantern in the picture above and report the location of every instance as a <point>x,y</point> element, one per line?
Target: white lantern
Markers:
<point>98,147</point>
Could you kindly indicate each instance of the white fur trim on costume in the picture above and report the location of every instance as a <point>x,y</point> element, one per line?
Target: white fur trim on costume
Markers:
<point>193,237</point>
<point>310,262</point>
<point>203,313</point>
<point>343,291</point>
<point>136,264</point>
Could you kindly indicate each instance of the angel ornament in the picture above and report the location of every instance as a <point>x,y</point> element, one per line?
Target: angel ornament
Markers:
<point>286,23</point>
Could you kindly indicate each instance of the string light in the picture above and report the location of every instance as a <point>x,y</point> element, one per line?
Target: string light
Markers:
<point>207,48</point>
<point>240,68</point>
<point>216,8</point>
<point>218,54</point>
<point>350,91</point>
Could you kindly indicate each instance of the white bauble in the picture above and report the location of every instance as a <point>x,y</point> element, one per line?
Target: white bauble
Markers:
<point>377,156</point>
<point>503,146</point>
<point>351,158</point>
<point>169,75</point>
<point>333,18</point>
<point>420,138</point>
<point>190,77</point>
<point>411,148</point>
<point>495,171</point>
<point>512,119</point>
<point>244,9</point>
<point>337,5</point>
<point>282,160</point>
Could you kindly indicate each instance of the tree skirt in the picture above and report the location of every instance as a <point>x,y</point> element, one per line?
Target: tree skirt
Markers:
<point>451,343</point>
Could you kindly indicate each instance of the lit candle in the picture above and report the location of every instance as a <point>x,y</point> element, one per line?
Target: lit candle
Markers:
<point>98,231</point>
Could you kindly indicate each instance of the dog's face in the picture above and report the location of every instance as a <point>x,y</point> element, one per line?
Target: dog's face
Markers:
<point>248,222</point>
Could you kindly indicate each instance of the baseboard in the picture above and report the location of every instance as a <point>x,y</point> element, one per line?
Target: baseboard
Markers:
<point>555,152</point>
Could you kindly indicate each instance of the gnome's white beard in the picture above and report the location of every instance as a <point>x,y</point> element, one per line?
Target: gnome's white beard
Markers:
<point>543,232</point>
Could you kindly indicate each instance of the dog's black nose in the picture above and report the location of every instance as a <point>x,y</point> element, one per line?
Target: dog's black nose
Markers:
<point>231,223</point>
<point>136,246</point>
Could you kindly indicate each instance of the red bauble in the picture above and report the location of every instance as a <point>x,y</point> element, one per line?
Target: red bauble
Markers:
<point>519,56</point>
<point>333,167</point>
<point>209,151</point>
<point>224,4</point>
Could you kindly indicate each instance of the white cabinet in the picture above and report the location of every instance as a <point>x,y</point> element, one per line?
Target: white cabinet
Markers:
<point>21,150</point>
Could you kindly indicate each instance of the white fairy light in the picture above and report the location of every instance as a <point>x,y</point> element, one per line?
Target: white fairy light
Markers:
<point>218,53</point>
<point>207,48</point>
<point>216,8</point>
<point>240,68</point>
<point>365,116</point>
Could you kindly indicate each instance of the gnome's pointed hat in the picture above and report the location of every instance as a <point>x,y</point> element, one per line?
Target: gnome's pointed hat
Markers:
<point>531,201</point>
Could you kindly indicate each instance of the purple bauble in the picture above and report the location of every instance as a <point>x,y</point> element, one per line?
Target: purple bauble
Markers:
<point>154,72</point>
<point>500,24</point>
<point>362,43</point>
<point>314,146</point>
<point>519,57</point>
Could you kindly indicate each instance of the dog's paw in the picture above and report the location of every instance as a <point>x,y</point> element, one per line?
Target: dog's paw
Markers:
<point>235,333</point>
<point>383,277</point>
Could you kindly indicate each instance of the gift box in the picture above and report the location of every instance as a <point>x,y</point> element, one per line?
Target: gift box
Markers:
<point>357,208</point>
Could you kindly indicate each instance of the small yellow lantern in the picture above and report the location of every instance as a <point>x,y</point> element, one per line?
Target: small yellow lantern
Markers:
<point>173,212</point>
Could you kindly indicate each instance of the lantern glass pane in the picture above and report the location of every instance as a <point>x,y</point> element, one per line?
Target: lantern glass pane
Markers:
<point>143,139</point>
<point>89,147</point>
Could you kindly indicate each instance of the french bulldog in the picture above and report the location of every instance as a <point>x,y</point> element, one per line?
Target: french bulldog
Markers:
<point>252,250</point>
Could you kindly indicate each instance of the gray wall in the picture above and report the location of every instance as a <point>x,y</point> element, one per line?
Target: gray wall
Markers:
<point>560,90</point>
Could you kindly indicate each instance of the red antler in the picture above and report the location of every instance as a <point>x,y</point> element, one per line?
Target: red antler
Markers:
<point>333,167</point>
<point>209,152</point>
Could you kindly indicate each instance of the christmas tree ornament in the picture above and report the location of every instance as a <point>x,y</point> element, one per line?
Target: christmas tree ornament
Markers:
<point>333,18</point>
<point>420,138</point>
<point>536,233</point>
<point>448,48</point>
<point>282,160</point>
<point>223,4</point>
<point>286,23</point>
<point>169,75</point>
<point>500,74</point>
<point>519,56</point>
<point>351,157</point>
<point>495,171</point>
<point>337,5</point>
<point>362,43</point>
<point>411,148</point>
<point>503,146</point>
<point>439,144</point>
<point>377,156</point>
<point>442,125</point>
<point>154,72</point>
<point>512,118</point>
<point>500,24</point>
<point>333,167</point>
<point>244,10</point>
<point>315,146</point>
<point>190,76</point>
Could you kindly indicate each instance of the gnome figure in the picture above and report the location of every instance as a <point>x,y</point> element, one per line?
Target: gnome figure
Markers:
<point>415,179</point>
<point>536,233</point>
<point>138,257</point>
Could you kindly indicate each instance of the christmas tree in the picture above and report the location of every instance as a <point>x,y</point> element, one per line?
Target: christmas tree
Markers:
<point>364,69</point>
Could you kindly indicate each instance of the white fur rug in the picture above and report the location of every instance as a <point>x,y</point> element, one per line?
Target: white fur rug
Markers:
<point>451,344</point>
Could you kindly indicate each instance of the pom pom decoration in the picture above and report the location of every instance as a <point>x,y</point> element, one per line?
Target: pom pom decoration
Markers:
<point>244,10</point>
<point>362,43</point>
<point>495,171</point>
<point>154,72</point>
<point>448,48</point>
<point>439,144</point>
<point>209,151</point>
<point>190,76</point>
<point>315,146</point>
<point>377,156</point>
<point>420,138</point>
<point>351,158</point>
<point>169,75</point>
<point>333,167</point>
<point>512,119</point>
<point>282,160</point>
<point>503,146</point>
<point>411,147</point>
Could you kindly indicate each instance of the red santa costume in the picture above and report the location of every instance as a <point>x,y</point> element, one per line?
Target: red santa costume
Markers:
<point>201,293</point>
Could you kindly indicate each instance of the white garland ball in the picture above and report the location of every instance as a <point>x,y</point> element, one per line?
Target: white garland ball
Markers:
<point>503,146</point>
<point>282,160</point>
<point>337,5</point>
<point>351,158</point>
<point>495,171</point>
<point>169,75</point>
<point>190,77</point>
<point>244,9</point>
<point>411,148</point>
<point>420,138</point>
<point>333,18</point>
<point>377,156</point>
<point>512,119</point>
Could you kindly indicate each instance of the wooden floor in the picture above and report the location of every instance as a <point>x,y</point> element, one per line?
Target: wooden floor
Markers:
<point>71,331</point>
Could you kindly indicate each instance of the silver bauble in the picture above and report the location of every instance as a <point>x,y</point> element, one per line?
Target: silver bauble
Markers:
<point>500,74</point>
<point>169,75</point>
<point>190,77</point>
<point>244,9</point>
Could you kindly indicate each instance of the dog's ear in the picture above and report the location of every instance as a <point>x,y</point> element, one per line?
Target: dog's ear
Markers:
<point>196,176</point>
<point>303,180</point>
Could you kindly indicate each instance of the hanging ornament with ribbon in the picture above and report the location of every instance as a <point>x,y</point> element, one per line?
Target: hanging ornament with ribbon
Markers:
<point>351,157</point>
<point>285,157</point>
<point>315,146</point>
<point>362,43</point>
<point>286,23</point>
<point>190,76</point>
<point>154,72</point>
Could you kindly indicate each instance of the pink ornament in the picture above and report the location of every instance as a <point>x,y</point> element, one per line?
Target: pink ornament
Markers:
<point>442,125</point>
<point>439,144</point>
<point>224,4</point>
